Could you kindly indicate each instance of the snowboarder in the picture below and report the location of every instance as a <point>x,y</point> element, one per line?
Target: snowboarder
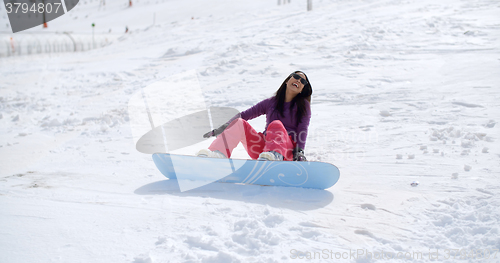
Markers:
<point>288,114</point>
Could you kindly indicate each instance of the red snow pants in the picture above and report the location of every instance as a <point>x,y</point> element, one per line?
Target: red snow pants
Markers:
<point>276,139</point>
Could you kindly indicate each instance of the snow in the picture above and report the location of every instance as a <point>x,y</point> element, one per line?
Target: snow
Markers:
<point>404,91</point>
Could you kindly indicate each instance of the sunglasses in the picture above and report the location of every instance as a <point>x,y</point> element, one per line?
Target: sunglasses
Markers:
<point>297,76</point>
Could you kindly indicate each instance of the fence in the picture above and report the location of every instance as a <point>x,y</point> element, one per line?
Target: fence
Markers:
<point>309,3</point>
<point>27,44</point>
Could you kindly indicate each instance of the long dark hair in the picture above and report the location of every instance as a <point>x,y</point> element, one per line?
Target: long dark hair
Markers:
<point>299,100</point>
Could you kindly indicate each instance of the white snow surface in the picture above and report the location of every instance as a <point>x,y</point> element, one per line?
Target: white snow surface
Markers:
<point>404,91</point>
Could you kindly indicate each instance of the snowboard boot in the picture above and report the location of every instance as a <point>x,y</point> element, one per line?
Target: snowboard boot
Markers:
<point>270,156</point>
<point>211,154</point>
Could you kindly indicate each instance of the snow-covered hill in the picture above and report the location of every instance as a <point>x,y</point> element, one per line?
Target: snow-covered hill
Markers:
<point>403,91</point>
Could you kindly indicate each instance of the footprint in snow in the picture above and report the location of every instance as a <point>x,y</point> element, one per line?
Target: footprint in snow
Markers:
<point>368,207</point>
<point>273,220</point>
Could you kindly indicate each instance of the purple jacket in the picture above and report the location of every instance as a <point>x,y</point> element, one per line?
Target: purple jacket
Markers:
<point>298,132</point>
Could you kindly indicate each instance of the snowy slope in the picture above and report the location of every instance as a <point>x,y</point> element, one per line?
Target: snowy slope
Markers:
<point>116,15</point>
<point>403,91</point>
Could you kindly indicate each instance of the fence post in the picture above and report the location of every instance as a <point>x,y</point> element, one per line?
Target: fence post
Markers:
<point>9,50</point>
<point>38,47</point>
<point>12,45</point>
<point>93,44</point>
<point>309,5</point>
<point>19,45</point>
<point>72,39</point>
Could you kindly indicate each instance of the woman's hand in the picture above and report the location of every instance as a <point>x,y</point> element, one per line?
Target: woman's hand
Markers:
<point>298,155</point>
<point>215,132</point>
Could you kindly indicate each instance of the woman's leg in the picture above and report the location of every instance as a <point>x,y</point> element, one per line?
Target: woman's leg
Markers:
<point>239,131</point>
<point>277,140</point>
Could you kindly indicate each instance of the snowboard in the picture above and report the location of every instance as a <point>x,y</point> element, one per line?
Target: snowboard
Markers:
<point>192,172</point>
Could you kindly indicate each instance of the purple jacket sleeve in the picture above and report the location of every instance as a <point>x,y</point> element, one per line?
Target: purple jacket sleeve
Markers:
<point>253,112</point>
<point>303,128</point>
<point>256,110</point>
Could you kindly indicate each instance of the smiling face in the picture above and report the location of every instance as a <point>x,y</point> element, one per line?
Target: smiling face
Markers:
<point>294,86</point>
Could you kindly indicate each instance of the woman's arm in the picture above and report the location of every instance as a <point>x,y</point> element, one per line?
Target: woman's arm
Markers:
<point>257,110</point>
<point>303,127</point>
<point>251,113</point>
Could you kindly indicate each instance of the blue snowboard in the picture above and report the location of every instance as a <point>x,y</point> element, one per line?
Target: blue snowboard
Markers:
<point>192,171</point>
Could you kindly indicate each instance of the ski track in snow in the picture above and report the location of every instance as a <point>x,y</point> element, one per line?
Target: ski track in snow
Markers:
<point>403,91</point>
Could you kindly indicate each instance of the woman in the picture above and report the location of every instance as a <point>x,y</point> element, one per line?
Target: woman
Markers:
<point>287,120</point>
